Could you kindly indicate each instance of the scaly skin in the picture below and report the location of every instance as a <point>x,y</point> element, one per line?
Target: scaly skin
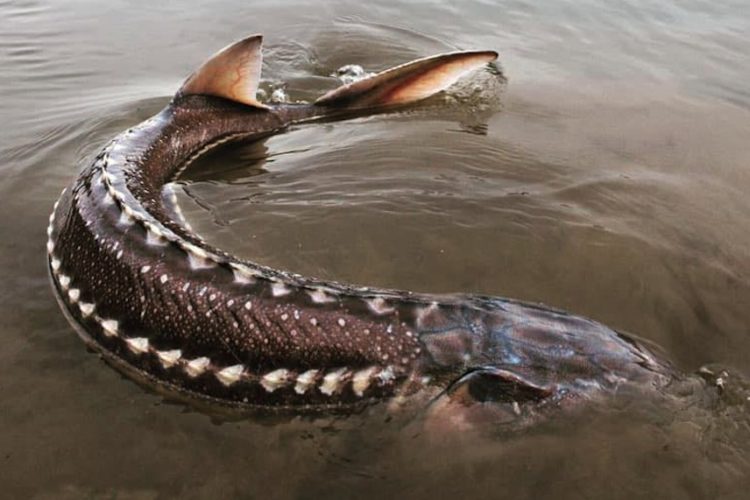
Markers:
<point>169,309</point>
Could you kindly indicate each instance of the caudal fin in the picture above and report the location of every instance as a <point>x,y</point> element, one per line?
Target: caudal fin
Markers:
<point>234,73</point>
<point>408,82</point>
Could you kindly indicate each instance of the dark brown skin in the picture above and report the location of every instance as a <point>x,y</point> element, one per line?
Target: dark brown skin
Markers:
<point>173,311</point>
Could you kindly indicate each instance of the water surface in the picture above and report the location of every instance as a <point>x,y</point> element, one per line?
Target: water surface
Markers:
<point>607,176</point>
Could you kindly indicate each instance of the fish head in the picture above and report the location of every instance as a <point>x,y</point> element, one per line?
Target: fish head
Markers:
<point>512,362</point>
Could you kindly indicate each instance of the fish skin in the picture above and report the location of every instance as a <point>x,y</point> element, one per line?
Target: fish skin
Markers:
<point>168,308</point>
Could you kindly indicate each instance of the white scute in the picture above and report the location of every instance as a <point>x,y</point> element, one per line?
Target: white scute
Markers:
<point>332,382</point>
<point>305,380</point>
<point>319,296</point>
<point>230,374</point>
<point>138,345</point>
<point>197,366</point>
<point>275,379</point>
<point>86,309</point>
<point>64,282</point>
<point>154,236</point>
<point>169,358</point>
<point>243,274</point>
<point>361,380</point>
<point>125,219</point>
<point>279,289</point>
<point>197,262</point>
<point>378,305</point>
<point>110,326</point>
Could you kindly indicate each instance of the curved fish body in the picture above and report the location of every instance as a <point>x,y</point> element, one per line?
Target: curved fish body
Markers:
<point>170,309</point>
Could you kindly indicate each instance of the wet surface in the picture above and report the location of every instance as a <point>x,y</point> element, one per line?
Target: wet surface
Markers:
<point>608,176</point>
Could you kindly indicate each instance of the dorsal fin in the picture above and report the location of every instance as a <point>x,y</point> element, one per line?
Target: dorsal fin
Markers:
<point>232,73</point>
<point>408,82</point>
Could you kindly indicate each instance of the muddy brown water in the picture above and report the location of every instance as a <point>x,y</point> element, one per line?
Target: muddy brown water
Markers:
<point>609,176</point>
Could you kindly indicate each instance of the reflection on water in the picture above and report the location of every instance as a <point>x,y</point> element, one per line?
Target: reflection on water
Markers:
<point>607,177</point>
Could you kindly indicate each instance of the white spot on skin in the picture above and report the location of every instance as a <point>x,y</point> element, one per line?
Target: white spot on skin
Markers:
<point>163,278</point>
<point>50,246</point>
<point>169,358</point>
<point>284,317</point>
<point>230,374</point>
<point>109,326</point>
<point>275,379</point>
<point>119,255</point>
<point>197,366</point>
<point>230,302</point>
<point>332,382</point>
<point>319,296</point>
<point>342,322</point>
<point>74,294</point>
<point>145,269</point>
<point>55,264</point>
<point>314,321</point>
<point>279,289</point>
<point>305,381</point>
<point>361,380</point>
<point>86,309</point>
<point>138,345</point>
<point>248,305</point>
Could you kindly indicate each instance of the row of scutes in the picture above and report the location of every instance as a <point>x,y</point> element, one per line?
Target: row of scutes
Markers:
<point>327,381</point>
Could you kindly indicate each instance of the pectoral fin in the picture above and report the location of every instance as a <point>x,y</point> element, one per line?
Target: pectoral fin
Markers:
<point>493,385</point>
<point>486,396</point>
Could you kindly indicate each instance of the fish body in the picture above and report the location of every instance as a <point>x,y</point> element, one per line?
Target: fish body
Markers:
<point>171,310</point>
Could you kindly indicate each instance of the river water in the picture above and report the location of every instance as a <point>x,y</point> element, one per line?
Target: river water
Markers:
<point>606,173</point>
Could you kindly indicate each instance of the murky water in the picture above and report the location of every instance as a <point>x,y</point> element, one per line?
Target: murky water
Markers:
<point>608,176</point>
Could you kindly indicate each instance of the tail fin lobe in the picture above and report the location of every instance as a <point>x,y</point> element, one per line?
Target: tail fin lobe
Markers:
<point>408,82</point>
<point>232,73</point>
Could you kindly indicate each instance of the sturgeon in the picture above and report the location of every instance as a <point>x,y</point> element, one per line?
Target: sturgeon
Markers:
<point>167,308</point>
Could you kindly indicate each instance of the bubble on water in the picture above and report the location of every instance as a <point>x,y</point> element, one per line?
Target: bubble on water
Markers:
<point>279,95</point>
<point>350,73</point>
